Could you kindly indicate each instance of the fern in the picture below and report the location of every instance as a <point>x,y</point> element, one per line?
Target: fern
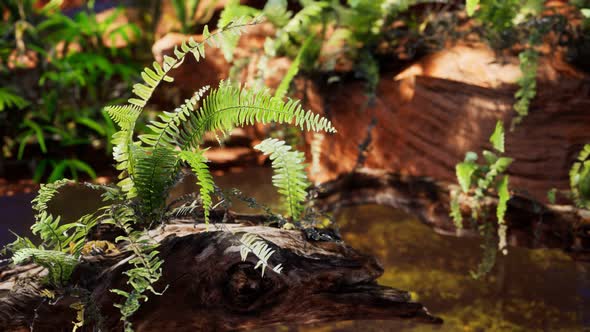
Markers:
<point>229,106</point>
<point>290,177</point>
<point>46,194</point>
<point>152,77</point>
<point>529,60</point>
<point>9,99</point>
<point>146,264</point>
<point>154,175</point>
<point>125,117</point>
<point>198,163</point>
<point>59,265</point>
<point>252,243</point>
<point>164,132</point>
<point>580,178</point>
<point>478,180</point>
<point>503,196</point>
<point>231,10</point>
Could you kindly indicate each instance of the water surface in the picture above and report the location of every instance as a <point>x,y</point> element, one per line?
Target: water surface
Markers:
<point>528,290</point>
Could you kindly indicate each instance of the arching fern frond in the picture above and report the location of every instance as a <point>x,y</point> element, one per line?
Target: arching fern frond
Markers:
<point>198,164</point>
<point>290,177</point>
<point>125,116</point>
<point>165,131</point>
<point>152,77</point>
<point>252,243</point>
<point>9,99</point>
<point>46,194</point>
<point>229,106</point>
<point>154,175</point>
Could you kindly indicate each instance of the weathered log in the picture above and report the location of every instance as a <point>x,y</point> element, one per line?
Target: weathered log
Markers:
<point>531,224</point>
<point>210,288</point>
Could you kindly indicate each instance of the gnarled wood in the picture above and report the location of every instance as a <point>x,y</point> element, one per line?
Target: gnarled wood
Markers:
<point>210,288</point>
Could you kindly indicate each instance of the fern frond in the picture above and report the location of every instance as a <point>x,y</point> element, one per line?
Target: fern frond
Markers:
<point>252,243</point>
<point>298,23</point>
<point>290,177</point>
<point>198,164</point>
<point>124,116</point>
<point>46,193</point>
<point>147,266</point>
<point>9,99</point>
<point>165,131</point>
<point>154,175</point>
<point>58,264</point>
<point>229,106</point>
<point>152,77</point>
<point>232,10</point>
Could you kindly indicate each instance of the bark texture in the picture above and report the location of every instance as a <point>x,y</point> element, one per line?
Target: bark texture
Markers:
<point>210,288</point>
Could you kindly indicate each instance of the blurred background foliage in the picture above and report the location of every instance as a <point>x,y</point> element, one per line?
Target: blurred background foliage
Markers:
<point>62,61</point>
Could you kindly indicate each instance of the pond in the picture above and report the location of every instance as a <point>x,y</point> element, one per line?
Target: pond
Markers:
<point>533,290</point>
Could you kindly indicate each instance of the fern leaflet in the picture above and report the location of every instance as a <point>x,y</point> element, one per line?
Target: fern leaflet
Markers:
<point>198,164</point>
<point>164,132</point>
<point>252,243</point>
<point>290,177</point>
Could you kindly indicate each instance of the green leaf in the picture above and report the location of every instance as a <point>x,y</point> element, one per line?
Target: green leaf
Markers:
<point>290,177</point>
<point>471,6</point>
<point>552,195</point>
<point>497,138</point>
<point>464,172</point>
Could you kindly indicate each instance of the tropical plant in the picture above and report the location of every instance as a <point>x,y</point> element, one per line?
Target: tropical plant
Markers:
<point>151,164</point>
<point>189,15</point>
<point>580,179</point>
<point>477,181</point>
<point>71,67</point>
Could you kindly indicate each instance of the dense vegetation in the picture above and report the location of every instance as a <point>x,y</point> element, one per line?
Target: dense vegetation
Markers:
<point>75,69</point>
<point>153,164</point>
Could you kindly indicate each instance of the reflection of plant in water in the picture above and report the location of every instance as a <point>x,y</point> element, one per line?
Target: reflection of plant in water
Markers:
<point>152,165</point>
<point>512,298</point>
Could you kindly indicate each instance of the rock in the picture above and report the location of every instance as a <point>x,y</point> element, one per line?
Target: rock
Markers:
<point>431,114</point>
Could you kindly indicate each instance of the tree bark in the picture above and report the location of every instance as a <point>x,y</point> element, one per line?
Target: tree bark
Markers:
<point>209,287</point>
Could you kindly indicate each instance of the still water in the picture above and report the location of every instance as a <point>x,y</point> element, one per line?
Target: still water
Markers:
<point>528,290</point>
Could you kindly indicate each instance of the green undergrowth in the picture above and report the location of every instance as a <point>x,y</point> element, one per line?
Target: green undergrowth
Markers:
<point>150,164</point>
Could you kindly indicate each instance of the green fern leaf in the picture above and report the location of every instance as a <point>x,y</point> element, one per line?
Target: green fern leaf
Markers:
<point>497,138</point>
<point>9,99</point>
<point>198,164</point>
<point>165,131</point>
<point>252,243</point>
<point>154,175</point>
<point>58,264</point>
<point>229,106</point>
<point>471,6</point>
<point>503,197</point>
<point>152,77</point>
<point>290,177</point>
<point>233,10</point>
<point>464,172</point>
